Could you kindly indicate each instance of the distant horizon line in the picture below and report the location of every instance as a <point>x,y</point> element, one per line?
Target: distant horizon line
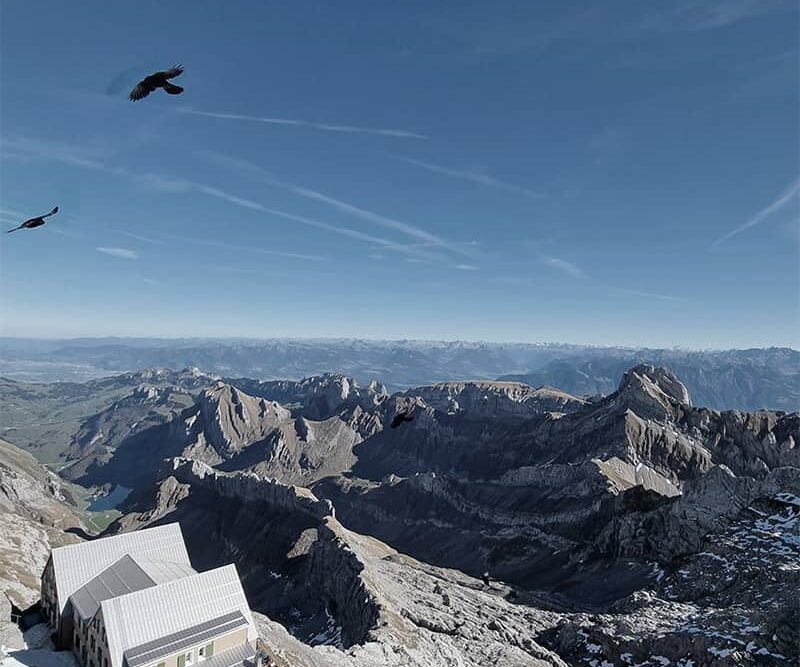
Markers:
<point>251,339</point>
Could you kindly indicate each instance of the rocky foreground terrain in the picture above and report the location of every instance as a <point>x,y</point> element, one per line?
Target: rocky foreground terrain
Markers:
<point>630,529</point>
<point>35,515</point>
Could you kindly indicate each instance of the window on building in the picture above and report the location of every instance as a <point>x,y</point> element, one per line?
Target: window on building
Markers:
<point>201,653</point>
<point>189,657</point>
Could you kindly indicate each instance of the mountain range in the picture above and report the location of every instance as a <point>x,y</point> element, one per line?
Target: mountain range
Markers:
<point>631,528</point>
<point>725,380</point>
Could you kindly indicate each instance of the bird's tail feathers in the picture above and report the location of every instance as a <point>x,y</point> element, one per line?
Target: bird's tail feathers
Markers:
<point>172,89</point>
<point>53,212</point>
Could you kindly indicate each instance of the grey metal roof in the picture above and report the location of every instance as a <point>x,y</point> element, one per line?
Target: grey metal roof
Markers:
<point>162,571</point>
<point>128,574</point>
<point>76,564</point>
<point>146,615</point>
<point>122,576</point>
<point>178,641</point>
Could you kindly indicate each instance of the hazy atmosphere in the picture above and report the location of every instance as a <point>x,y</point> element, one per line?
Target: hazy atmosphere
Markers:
<point>616,173</point>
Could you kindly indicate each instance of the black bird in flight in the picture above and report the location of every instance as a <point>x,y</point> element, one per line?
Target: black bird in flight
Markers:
<point>34,222</point>
<point>401,417</point>
<point>157,80</point>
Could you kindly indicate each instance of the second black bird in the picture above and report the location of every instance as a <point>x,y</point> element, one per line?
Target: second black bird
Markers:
<point>34,222</point>
<point>157,80</point>
<point>401,417</point>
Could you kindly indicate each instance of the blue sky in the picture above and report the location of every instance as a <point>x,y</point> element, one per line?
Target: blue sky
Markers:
<point>607,173</point>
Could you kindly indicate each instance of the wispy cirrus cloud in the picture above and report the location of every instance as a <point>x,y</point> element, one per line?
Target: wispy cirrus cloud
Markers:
<point>340,205</point>
<point>698,15</point>
<point>466,267</point>
<point>564,266</point>
<point>294,122</point>
<point>366,215</point>
<point>654,295</point>
<point>211,243</point>
<point>511,280</point>
<point>169,184</point>
<point>783,200</point>
<point>328,227</point>
<point>144,239</point>
<point>61,232</point>
<point>123,253</point>
<point>10,213</point>
<point>472,177</point>
<point>26,149</point>
<point>407,246</point>
<point>175,185</point>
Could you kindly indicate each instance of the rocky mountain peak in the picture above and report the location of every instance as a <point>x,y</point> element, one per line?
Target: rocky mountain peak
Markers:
<point>486,399</point>
<point>656,380</point>
<point>317,397</point>
<point>652,392</point>
<point>340,387</point>
<point>233,420</point>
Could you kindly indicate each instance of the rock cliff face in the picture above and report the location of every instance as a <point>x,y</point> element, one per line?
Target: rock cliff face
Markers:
<point>34,513</point>
<point>348,599</point>
<point>649,420</point>
<point>284,540</point>
<point>475,429</point>
<point>228,421</point>
<point>149,405</point>
<point>326,583</point>
<point>319,397</point>
<point>232,430</point>
<point>533,527</point>
<point>728,598</point>
<point>707,506</point>
<point>490,400</point>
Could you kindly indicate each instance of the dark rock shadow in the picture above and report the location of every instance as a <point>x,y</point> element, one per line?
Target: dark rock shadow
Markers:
<point>80,532</point>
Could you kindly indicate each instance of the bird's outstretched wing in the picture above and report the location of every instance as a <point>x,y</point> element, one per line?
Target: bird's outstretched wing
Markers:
<point>120,83</point>
<point>401,417</point>
<point>171,73</point>
<point>142,90</point>
<point>8,231</point>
